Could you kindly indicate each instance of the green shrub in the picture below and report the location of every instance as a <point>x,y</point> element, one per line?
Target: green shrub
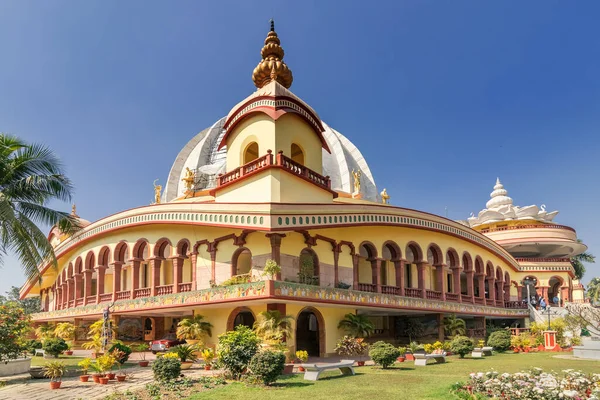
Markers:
<point>384,354</point>
<point>32,344</point>
<point>55,346</point>
<point>125,352</point>
<point>266,366</point>
<point>166,369</point>
<point>461,345</point>
<point>236,349</point>
<point>500,340</point>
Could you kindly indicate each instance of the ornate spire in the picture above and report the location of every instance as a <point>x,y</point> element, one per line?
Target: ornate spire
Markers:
<point>74,211</point>
<point>272,67</point>
<point>498,197</point>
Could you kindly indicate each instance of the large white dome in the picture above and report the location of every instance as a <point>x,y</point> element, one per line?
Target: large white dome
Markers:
<point>201,154</point>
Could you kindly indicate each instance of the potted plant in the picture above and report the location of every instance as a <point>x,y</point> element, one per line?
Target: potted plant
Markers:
<point>302,356</point>
<point>402,351</point>
<point>105,364</point>
<point>186,354</point>
<point>97,371</point>
<point>141,350</point>
<point>55,370</point>
<point>515,343</point>
<point>272,269</point>
<point>95,344</point>
<point>194,329</point>
<point>352,347</point>
<point>66,331</point>
<point>413,347</point>
<point>85,366</point>
<point>208,355</point>
<point>120,357</point>
<point>69,351</point>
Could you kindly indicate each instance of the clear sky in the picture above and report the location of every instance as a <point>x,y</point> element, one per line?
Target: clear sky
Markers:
<point>441,97</point>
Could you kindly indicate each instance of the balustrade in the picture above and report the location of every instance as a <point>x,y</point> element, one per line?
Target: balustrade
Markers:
<point>185,287</point>
<point>367,287</point>
<point>452,296</point>
<point>515,304</point>
<point>91,299</point>
<point>142,292</point>
<point>390,290</point>
<point>79,302</point>
<point>478,332</point>
<point>71,303</point>
<point>105,297</point>
<point>165,289</point>
<point>301,170</point>
<point>479,300</point>
<point>518,331</point>
<point>123,295</point>
<point>433,295</point>
<point>412,292</point>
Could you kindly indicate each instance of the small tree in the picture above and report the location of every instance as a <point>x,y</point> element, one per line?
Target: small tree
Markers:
<point>384,354</point>
<point>195,328</point>
<point>272,327</point>
<point>55,346</point>
<point>13,327</point>
<point>414,329</point>
<point>166,368</point>
<point>236,349</point>
<point>350,346</point>
<point>500,340</point>
<point>461,345</point>
<point>272,268</point>
<point>65,331</point>
<point>357,325</point>
<point>454,326</point>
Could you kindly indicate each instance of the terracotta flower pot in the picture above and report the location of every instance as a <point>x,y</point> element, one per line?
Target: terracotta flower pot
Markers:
<point>84,378</point>
<point>104,381</point>
<point>96,377</point>
<point>121,378</point>
<point>187,364</point>
<point>516,350</point>
<point>410,357</point>
<point>69,353</point>
<point>111,376</point>
<point>144,363</point>
<point>400,359</point>
<point>96,355</point>
<point>360,363</point>
<point>301,369</point>
<point>55,385</point>
<point>288,369</point>
<point>207,367</point>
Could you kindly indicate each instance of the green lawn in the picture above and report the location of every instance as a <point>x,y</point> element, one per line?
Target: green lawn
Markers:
<point>404,381</point>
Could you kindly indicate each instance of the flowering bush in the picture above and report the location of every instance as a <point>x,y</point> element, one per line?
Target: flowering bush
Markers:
<point>532,385</point>
<point>14,324</point>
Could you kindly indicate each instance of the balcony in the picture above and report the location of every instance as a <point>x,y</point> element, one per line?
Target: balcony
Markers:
<point>122,295</point>
<point>91,299</point>
<point>367,287</point>
<point>165,289</point>
<point>412,292</point>
<point>143,292</point>
<point>185,287</point>
<point>433,295</point>
<point>390,290</point>
<point>452,297</point>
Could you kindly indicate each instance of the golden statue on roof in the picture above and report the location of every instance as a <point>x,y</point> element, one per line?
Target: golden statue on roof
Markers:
<point>272,67</point>
<point>157,190</point>
<point>188,179</point>
<point>356,175</point>
<point>385,197</point>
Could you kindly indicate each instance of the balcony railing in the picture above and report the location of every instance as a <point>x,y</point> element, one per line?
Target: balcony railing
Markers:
<point>185,287</point>
<point>91,299</point>
<point>367,287</point>
<point>143,292</point>
<point>433,295</point>
<point>518,331</point>
<point>303,171</point>
<point>79,302</point>
<point>479,300</point>
<point>390,290</point>
<point>412,292</point>
<point>515,304</point>
<point>466,298</point>
<point>122,295</point>
<point>165,289</point>
<point>252,166</point>
<point>105,297</point>
<point>71,303</point>
<point>452,296</point>
<point>532,226</point>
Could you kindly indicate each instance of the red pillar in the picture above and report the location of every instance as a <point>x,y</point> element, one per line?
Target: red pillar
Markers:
<point>500,285</point>
<point>376,274</point>
<point>481,281</point>
<point>78,278</point>
<point>135,275</point>
<point>399,266</point>
<point>194,260</point>
<point>87,285</point>
<point>439,269</point>
<point>491,291</point>
<point>336,259</point>
<point>177,273</point>
<point>155,268</point>
<point>421,278</point>
<point>355,271</point>
<point>470,286</point>
<point>100,272</point>
<point>275,239</point>
<point>117,266</point>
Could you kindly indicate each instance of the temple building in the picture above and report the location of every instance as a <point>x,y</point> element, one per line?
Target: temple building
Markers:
<point>272,181</point>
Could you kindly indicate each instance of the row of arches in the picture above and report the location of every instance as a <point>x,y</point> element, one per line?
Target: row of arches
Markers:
<point>251,153</point>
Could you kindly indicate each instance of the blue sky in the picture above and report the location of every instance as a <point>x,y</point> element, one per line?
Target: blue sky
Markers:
<point>441,97</point>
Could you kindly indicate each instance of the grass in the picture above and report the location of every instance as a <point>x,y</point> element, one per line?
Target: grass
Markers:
<point>403,381</point>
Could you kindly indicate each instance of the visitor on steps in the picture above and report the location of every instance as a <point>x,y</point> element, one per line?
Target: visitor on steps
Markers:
<point>543,304</point>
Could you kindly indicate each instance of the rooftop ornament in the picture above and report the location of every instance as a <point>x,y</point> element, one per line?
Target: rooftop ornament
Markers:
<point>272,67</point>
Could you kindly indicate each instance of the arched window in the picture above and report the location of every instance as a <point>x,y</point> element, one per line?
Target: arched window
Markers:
<point>251,152</point>
<point>297,154</point>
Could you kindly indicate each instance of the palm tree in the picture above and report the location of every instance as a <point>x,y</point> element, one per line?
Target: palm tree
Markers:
<point>593,290</point>
<point>193,329</point>
<point>271,326</point>
<point>454,326</point>
<point>357,325</point>
<point>578,260</point>
<point>30,177</point>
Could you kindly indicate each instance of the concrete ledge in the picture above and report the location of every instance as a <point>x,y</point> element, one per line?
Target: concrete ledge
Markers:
<point>15,367</point>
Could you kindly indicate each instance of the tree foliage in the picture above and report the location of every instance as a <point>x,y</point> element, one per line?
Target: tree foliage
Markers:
<point>271,326</point>
<point>357,325</point>
<point>236,349</point>
<point>30,305</point>
<point>578,260</point>
<point>454,326</point>
<point>30,177</point>
<point>14,325</point>
<point>383,354</point>
<point>593,291</point>
<point>195,328</point>
<point>500,340</point>
<point>266,366</point>
<point>461,345</point>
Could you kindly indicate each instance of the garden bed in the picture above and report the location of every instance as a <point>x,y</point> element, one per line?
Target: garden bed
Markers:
<point>175,390</point>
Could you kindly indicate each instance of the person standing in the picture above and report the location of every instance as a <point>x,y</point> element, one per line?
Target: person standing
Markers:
<point>543,304</point>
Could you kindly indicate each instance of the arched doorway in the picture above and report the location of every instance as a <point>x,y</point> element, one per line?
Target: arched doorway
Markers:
<point>149,329</point>
<point>308,270</point>
<point>531,283</point>
<point>244,318</point>
<point>554,290</point>
<point>251,152</point>
<point>309,326</point>
<point>242,262</point>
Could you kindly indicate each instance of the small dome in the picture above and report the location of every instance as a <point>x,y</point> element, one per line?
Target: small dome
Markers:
<point>499,197</point>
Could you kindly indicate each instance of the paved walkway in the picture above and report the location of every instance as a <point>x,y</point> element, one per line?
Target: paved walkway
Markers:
<point>22,387</point>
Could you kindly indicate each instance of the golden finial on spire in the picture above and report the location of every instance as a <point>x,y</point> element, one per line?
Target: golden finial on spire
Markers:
<point>74,210</point>
<point>272,67</point>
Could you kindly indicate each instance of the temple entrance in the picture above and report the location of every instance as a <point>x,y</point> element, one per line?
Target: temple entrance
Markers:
<point>554,294</point>
<point>244,318</point>
<point>528,288</point>
<point>307,333</point>
<point>149,329</point>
